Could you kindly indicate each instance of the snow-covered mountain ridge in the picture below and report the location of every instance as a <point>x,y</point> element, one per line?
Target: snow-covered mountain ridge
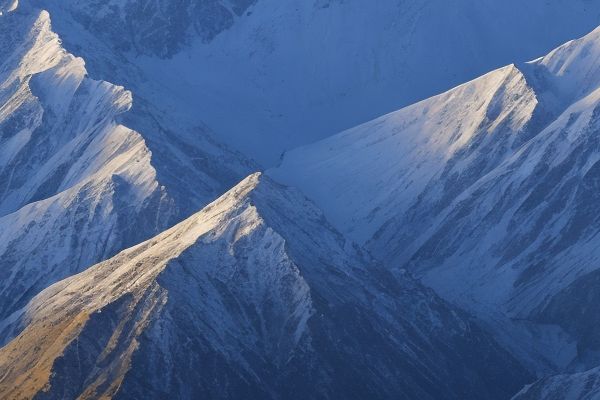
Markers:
<point>286,72</point>
<point>579,386</point>
<point>256,296</point>
<point>76,185</point>
<point>402,152</point>
<point>488,192</point>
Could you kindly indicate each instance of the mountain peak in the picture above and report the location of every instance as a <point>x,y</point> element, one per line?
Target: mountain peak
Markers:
<point>487,192</point>
<point>491,113</point>
<point>572,70</point>
<point>135,262</point>
<point>7,6</point>
<point>263,291</point>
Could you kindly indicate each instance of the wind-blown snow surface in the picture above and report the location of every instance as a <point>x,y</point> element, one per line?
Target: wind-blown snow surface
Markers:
<point>256,296</point>
<point>77,186</point>
<point>580,386</point>
<point>489,192</point>
<point>269,75</point>
<point>87,169</point>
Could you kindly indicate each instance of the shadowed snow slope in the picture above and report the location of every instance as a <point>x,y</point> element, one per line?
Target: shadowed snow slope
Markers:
<point>489,192</point>
<point>269,75</point>
<point>256,296</point>
<point>580,386</point>
<point>77,186</point>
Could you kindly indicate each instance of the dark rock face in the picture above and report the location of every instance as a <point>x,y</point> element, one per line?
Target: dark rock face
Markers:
<point>158,28</point>
<point>575,310</point>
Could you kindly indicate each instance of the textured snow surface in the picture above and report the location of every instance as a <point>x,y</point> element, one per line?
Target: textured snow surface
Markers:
<point>64,162</point>
<point>269,75</point>
<point>76,185</point>
<point>256,296</point>
<point>580,386</point>
<point>368,173</point>
<point>488,192</point>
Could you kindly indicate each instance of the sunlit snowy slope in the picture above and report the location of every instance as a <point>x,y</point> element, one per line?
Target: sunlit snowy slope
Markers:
<point>268,75</point>
<point>76,185</point>
<point>254,297</point>
<point>489,192</point>
<point>121,118</point>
